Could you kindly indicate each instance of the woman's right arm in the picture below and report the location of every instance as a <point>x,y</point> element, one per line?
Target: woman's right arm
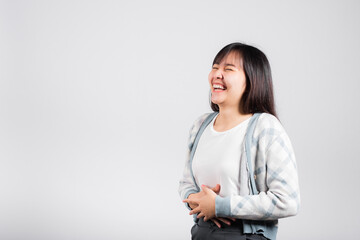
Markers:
<point>186,184</point>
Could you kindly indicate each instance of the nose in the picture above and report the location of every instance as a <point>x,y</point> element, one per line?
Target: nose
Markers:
<point>219,74</point>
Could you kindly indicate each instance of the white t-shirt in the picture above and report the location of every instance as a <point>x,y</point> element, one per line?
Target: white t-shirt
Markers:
<point>217,158</point>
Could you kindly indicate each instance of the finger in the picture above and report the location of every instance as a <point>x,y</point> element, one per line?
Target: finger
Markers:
<point>205,189</point>
<point>195,210</point>
<point>194,195</point>
<point>205,219</point>
<point>224,220</point>
<point>200,215</point>
<point>189,201</point>
<point>216,222</point>
<point>233,219</point>
<point>216,189</point>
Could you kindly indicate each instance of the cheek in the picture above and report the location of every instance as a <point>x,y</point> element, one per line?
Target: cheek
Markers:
<point>241,86</point>
<point>238,85</point>
<point>241,82</point>
<point>210,77</point>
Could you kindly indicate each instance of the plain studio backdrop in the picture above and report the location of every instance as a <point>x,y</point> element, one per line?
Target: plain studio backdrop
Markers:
<point>97,99</point>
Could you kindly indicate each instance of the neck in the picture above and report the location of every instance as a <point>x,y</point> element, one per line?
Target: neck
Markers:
<point>229,116</point>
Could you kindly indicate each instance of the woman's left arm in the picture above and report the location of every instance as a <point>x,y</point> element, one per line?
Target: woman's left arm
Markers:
<point>281,198</point>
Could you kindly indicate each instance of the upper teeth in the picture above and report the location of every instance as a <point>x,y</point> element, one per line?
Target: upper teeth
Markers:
<point>218,86</point>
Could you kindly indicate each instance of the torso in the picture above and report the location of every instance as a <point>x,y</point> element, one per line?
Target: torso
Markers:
<point>217,158</point>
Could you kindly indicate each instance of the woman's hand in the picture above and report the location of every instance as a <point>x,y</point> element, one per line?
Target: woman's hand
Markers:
<point>217,221</point>
<point>205,202</point>
<point>195,197</point>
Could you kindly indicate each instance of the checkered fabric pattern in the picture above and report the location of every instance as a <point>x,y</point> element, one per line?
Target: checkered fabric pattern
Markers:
<point>187,182</point>
<point>275,173</point>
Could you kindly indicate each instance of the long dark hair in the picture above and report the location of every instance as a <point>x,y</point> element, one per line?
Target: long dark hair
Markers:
<point>258,95</point>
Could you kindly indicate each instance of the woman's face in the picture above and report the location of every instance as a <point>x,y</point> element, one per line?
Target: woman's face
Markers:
<point>229,74</point>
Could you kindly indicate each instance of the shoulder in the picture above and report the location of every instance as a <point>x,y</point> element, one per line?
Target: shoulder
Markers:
<point>198,121</point>
<point>197,124</point>
<point>268,128</point>
<point>269,121</point>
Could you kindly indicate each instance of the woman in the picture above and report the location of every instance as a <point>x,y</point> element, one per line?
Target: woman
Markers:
<point>240,154</point>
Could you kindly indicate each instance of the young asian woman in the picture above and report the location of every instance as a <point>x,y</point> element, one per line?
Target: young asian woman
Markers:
<point>225,206</point>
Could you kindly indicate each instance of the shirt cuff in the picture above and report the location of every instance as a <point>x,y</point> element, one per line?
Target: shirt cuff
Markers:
<point>222,206</point>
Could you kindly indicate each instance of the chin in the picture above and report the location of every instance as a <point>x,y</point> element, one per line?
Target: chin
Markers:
<point>217,101</point>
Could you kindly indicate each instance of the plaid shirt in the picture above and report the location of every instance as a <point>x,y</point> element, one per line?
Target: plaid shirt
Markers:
<point>275,173</point>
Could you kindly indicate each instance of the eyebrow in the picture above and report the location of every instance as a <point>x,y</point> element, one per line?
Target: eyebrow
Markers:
<point>227,64</point>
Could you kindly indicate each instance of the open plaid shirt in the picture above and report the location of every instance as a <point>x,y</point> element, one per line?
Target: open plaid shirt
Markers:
<point>275,173</point>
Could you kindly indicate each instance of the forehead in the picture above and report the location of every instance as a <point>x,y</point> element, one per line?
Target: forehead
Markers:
<point>233,58</point>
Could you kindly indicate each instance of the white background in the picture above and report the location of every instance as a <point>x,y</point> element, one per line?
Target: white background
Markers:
<point>97,98</point>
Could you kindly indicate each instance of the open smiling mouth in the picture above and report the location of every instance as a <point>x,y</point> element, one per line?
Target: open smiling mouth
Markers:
<point>218,88</point>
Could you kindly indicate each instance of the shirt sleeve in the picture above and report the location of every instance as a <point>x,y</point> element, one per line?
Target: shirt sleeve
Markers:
<point>186,184</point>
<point>282,197</point>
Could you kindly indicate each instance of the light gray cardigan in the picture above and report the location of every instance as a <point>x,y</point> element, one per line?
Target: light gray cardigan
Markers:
<point>270,176</point>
